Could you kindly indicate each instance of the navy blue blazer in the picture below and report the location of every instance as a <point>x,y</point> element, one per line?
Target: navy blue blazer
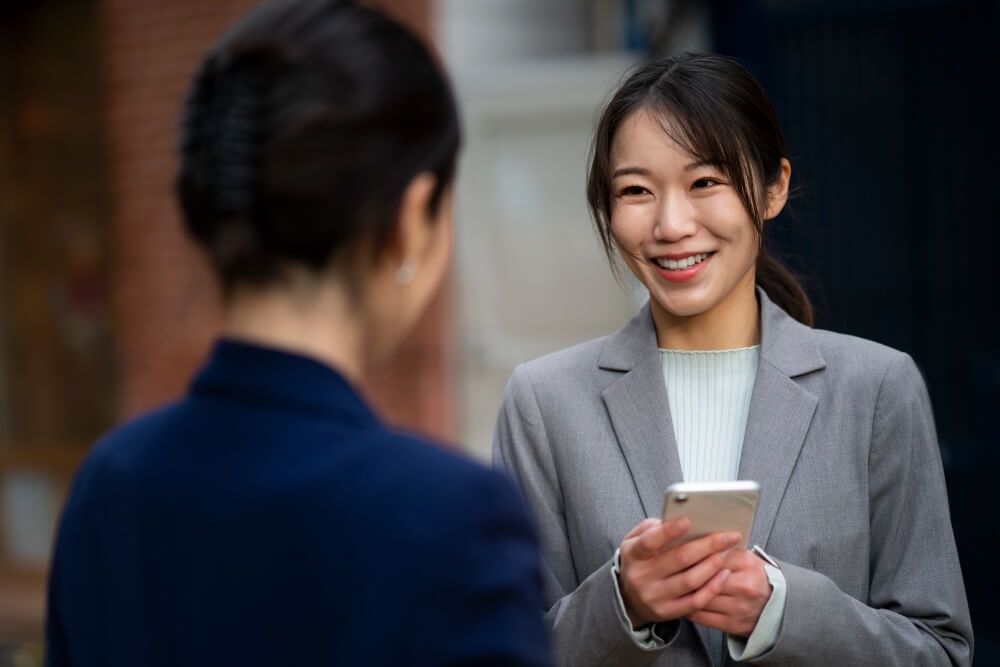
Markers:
<point>268,518</point>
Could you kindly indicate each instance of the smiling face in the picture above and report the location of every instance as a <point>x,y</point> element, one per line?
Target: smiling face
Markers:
<point>684,232</point>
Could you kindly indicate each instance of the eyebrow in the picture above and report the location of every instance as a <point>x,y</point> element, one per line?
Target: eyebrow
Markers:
<point>628,171</point>
<point>699,164</point>
<point>642,171</point>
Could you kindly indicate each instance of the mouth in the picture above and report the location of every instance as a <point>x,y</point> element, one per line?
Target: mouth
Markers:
<point>681,264</point>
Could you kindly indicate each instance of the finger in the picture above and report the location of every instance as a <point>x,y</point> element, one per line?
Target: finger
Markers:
<point>677,527</point>
<point>699,575</point>
<point>653,541</point>
<point>667,605</point>
<point>749,581</point>
<point>642,527</point>
<point>714,619</point>
<point>704,596</point>
<point>722,604</point>
<point>725,619</point>
<point>740,604</point>
<point>745,561</point>
<point>688,554</point>
<point>670,593</point>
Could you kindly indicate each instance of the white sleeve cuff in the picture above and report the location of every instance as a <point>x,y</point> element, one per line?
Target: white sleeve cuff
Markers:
<point>765,634</point>
<point>644,637</point>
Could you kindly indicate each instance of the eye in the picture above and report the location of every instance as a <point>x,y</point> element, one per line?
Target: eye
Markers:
<point>705,182</point>
<point>632,191</point>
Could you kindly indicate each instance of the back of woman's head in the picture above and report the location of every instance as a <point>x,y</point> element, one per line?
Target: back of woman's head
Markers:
<point>714,109</point>
<point>303,126</point>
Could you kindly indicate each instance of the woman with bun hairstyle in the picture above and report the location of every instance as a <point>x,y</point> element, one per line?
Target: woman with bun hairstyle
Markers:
<point>268,517</point>
<point>721,376</point>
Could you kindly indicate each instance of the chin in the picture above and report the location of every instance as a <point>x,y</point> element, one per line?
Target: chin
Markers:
<point>685,305</point>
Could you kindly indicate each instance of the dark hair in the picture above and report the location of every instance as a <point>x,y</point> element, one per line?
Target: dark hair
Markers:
<point>717,111</point>
<point>303,126</point>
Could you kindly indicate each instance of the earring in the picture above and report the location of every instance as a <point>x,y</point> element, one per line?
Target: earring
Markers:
<point>405,274</point>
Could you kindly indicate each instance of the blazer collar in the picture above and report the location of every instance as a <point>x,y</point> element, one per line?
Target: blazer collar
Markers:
<point>780,409</point>
<point>269,377</point>
<point>785,343</point>
<point>635,341</point>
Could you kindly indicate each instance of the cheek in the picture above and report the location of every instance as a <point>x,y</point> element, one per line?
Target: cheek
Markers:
<point>733,223</point>
<point>749,240</point>
<point>626,227</point>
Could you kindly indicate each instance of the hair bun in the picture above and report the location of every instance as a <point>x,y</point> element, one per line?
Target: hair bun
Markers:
<point>222,126</point>
<point>236,109</point>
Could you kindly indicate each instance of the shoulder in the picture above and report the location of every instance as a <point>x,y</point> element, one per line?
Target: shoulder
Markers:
<point>430,456</point>
<point>107,486</point>
<point>596,362</point>
<point>868,373</point>
<point>882,377</point>
<point>566,365</point>
<point>569,381</point>
<point>464,528</point>
<point>848,374</point>
<point>427,476</point>
<point>799,350</point>
<point>446,508</point>
<point>859,355</point>
<point>115,457</point>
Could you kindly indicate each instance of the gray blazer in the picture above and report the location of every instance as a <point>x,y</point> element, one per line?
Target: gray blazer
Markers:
<point>853,505</point>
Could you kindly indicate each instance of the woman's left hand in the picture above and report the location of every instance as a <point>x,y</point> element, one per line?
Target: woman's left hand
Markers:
<point>737,608</point>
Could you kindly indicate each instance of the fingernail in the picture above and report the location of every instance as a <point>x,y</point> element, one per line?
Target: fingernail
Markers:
<point>680,525</point>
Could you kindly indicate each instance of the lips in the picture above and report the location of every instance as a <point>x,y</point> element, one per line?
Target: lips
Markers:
<point>681,264</point>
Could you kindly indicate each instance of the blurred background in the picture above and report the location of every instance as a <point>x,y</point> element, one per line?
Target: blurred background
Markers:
<point>890,110</point>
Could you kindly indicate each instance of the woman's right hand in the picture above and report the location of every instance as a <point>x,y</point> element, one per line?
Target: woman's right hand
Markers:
<point>659,583</point>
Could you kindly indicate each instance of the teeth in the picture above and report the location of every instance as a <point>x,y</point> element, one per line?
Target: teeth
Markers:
<point>686,263</point>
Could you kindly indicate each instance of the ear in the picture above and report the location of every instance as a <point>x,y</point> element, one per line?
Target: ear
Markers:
<point>415,225</point>
<point>777,192</point>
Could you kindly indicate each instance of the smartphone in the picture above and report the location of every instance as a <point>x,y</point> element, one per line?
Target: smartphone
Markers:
<point>713,507</point>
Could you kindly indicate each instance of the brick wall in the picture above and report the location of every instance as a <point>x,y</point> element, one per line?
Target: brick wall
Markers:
<point>166,308</point>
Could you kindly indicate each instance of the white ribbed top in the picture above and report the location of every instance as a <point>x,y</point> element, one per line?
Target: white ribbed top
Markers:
<point>709,395</point>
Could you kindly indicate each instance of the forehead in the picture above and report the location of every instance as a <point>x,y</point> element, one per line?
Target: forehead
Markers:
<point>647,136</point>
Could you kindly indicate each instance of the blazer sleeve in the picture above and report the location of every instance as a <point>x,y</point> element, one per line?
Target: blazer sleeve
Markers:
<point>917,613</point>
<point>72,614</point>
<point>77,627</point>
<point>484,613</point>
<point>586,623</point>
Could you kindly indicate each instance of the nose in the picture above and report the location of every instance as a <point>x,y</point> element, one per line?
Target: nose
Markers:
<point>674,219</point>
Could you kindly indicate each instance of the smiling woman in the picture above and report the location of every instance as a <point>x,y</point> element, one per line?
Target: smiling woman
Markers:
<point>685,233</point>
<point>727,134</point>
<point>721,377</point>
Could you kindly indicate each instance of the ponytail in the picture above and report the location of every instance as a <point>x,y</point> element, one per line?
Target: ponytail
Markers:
<point>783,288</point>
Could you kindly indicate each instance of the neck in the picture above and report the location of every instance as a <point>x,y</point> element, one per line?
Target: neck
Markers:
<point>318,321</point>
<point>731,324</point>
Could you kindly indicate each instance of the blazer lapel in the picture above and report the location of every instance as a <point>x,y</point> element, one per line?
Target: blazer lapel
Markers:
<point>780,413</point>
<point>780,410</point>
<point>637,406</point>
